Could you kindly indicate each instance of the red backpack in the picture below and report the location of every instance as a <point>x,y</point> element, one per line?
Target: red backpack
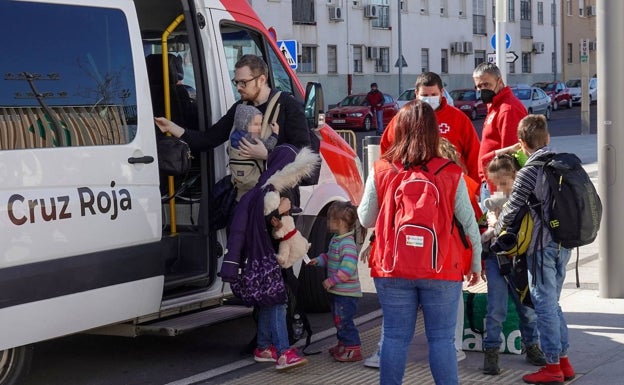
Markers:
<point>414,230</point>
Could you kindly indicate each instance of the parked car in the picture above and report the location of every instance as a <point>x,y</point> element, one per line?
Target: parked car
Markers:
<point>558,92</point>
<point>574,86</point>
<point>469,101</point>
<point>353,112</point>
<point>409,95</point>
<point>534,99</point>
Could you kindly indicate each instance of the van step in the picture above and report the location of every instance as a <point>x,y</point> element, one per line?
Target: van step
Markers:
<point>182,324</point>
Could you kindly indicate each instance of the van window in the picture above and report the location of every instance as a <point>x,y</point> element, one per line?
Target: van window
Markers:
<point>238,41</point>
<point>63,88</point>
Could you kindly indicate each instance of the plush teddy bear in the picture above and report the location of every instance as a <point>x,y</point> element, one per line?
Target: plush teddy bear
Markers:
<point>293,246</point>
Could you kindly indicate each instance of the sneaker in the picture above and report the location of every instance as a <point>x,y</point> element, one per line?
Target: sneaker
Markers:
<point>550,374</point>
<point>373,361</point>
<point>566,368</point>
<point>290,359</point>
<point>460,355</point>
<point>490,362</point>
<point>336,349</point>
<point>349,354</point>
<point>267,355</point>
<point>535,356</point>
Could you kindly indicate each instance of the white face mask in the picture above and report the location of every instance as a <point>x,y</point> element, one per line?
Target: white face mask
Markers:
<point>433,101</point>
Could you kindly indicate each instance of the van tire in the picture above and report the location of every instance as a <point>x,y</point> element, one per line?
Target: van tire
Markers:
<point>14,364</point>
<point>315,297</point>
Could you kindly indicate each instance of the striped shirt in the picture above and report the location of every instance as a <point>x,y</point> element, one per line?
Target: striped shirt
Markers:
<point>341,261</point>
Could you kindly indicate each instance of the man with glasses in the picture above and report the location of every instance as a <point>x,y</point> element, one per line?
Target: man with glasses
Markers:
<point>251,79</point>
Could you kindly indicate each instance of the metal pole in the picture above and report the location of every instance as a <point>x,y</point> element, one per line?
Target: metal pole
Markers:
<point>400,48</point>
<point>610,32</point>
<point>501,49</point>
<point>554,24</point>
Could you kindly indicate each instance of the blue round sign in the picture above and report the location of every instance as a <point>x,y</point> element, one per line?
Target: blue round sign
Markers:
<point>507,41</point>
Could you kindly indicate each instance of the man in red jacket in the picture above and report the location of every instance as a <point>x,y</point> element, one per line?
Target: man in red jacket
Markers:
<point>375,100</point>
<point>453,124</point>
<point>500,128</point>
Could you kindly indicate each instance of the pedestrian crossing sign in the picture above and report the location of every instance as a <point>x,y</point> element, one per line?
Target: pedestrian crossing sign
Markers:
<point>288,48</point>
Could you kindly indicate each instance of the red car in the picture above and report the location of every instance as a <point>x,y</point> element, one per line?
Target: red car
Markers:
<point>469,101</point>
<point>353,112</point>
<point>558,92</point>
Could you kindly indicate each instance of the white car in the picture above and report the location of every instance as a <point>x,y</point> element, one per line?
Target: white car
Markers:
<point>408,95</point>
<point>574,85</point>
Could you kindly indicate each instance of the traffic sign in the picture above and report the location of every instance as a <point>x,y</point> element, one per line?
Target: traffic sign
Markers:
<point>507,41</point>
<point>289,50</point>
<point>510,57</point>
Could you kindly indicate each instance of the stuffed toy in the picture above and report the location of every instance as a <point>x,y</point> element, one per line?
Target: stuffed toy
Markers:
<point>293,246</point>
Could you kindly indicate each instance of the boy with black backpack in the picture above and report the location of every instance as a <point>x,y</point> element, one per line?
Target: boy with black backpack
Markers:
<point>547,259</point>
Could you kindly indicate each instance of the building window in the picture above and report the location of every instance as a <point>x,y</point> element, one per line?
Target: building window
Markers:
<point>332,59</point>
<point>462,9</point>
<point>444,61</point>
<point>357,59</point>
<point>511,10</point>
<point>383,21</point>
<point>424,7</point>
<point>382,64</point>
<point>526,31</point>
<point>526,62</point>
<point>581,8</point>
<point>424,60</point>
<point>443,8</point>
<point>569,53</point>
<point>303,12</point>
<point>540,12</point>
<point>478,17</point>
<point>307,62</point>
<point>511,68</point>
<point>568,8</point>
<point>479,57</point>
<point>404,6</point>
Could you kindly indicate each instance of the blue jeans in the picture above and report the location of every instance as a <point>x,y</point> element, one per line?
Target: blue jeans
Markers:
<point>343,309</point>
<point>400,299</point>
<point>272,328</point>
<point>550,271</point>
<point>380,125</point>
<point>497,295</point>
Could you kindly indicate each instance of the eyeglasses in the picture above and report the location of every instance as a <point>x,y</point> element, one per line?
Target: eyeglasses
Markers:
<point>243,83</point>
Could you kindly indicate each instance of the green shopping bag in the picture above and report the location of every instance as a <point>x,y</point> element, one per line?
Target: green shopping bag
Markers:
<point>475,310</point>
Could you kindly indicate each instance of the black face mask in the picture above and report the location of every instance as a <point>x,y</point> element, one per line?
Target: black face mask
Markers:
<point>487,96</point>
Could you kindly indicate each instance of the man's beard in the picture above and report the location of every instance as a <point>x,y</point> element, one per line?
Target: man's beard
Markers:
<point>250,97</point>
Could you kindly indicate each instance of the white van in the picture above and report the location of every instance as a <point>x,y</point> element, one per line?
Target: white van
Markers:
<point>88,242</point>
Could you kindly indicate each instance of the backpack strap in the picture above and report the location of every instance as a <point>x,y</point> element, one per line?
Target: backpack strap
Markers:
<point>271,114</point>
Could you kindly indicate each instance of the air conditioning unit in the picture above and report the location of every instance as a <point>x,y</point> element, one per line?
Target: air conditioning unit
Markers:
<point>335,14</point>
<point>538,47</point>
<point>371,11</point>
<point>372,53</point>
<point>591,10</point>
<point>592,45</point>
<point>457,47</point>
<point>467,47</point>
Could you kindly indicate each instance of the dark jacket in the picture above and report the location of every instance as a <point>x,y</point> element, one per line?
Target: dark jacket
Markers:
<point>291,119</point>
<point>249,236</point>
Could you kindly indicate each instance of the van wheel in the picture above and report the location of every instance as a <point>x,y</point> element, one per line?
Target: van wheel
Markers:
<point>548,113</point>
<point>15,363</point>
<point>315,297</point>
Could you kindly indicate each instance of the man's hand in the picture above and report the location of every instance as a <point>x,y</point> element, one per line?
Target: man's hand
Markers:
<point>167,126</point>
<point>253,151</point>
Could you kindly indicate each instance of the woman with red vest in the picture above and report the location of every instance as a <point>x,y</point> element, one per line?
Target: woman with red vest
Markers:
<point>403,283</point>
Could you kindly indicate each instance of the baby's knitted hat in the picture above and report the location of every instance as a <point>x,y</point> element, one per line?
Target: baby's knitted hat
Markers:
<point>243,116</point>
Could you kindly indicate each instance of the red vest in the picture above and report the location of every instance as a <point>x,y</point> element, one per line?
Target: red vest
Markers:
<point>394,252</point>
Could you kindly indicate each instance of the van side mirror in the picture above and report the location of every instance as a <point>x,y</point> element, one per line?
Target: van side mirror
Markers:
<point>313,107</point>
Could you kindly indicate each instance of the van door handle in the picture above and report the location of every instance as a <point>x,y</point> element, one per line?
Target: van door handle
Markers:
<point>141,159</point>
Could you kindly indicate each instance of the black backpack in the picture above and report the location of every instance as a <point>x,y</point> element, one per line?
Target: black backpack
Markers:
<point>575,208</point>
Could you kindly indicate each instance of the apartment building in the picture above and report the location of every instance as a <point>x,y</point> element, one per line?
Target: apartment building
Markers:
<point>578,22</point>
<point>347,44</point>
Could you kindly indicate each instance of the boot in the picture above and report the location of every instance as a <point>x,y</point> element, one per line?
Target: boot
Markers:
<point>349,354</point>
<point>336,349</point>
<point>490,362</point>
<point>551,374</point>
<point>535,356</point>
<point>566,368</point>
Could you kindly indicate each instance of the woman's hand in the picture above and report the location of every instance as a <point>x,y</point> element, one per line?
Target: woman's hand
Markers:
<point>473,279</point>
<point>253,151</point>
<point>167,126</point>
